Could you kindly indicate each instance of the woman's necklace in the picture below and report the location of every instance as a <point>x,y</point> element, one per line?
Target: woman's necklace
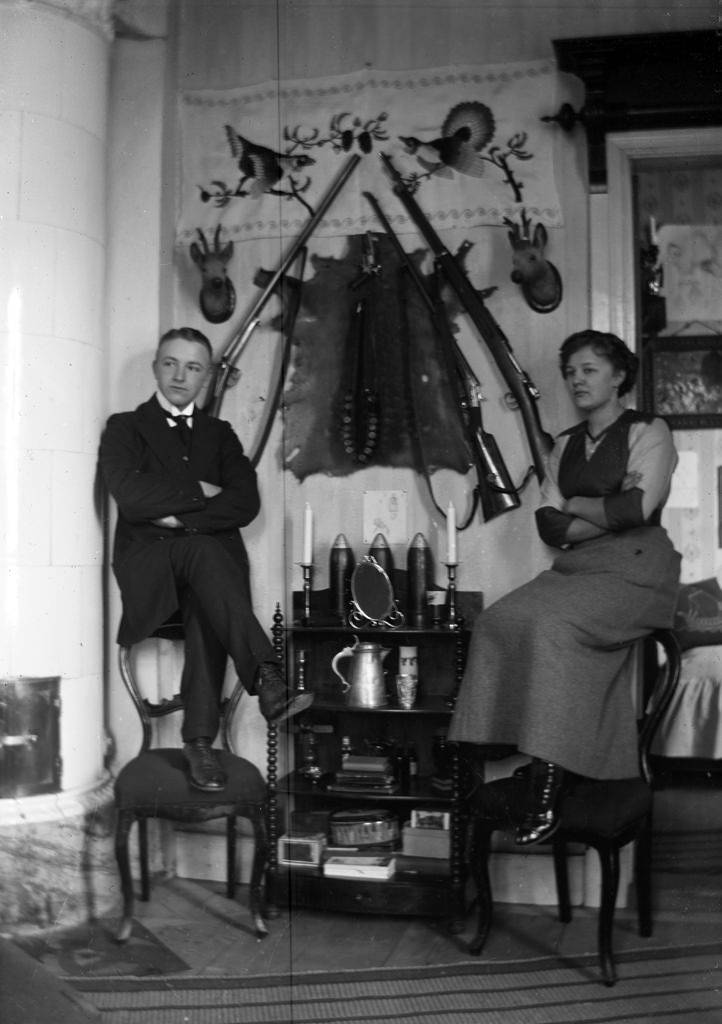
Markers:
<point>591,443</point>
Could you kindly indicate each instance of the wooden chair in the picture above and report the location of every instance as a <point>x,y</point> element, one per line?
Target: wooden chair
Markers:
<point>154,784</point>
<point>606,815</point>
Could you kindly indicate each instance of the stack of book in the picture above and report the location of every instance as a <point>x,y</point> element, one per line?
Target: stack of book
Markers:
<point>364,774</point>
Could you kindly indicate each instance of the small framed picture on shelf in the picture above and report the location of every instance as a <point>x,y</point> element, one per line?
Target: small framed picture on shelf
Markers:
<point>421,818</point>
<point>682,380</point>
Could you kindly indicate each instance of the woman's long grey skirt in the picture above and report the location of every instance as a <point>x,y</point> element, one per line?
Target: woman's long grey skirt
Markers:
<point>549,669</point>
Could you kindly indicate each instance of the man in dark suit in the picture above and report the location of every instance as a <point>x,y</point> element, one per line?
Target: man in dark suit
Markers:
<point>184,489</point>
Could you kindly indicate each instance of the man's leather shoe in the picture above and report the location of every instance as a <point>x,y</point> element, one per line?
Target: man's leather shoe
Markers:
<point>274,698</point>
<point>205,769</point>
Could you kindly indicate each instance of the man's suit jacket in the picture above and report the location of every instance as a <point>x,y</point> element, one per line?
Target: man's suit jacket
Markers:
<point>150,475</point>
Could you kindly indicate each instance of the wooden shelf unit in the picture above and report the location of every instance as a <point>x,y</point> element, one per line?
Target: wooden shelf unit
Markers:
<point>421,886</point>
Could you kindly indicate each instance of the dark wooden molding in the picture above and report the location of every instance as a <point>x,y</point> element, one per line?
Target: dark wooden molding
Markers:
<point>641,82</point>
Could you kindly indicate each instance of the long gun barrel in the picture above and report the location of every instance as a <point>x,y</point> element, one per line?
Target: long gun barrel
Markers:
<point>237,343</point>
<point>519,383</point>
<point>495,488</point>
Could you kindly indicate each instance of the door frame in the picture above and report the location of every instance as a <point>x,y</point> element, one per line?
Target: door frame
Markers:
<point>614,218</point>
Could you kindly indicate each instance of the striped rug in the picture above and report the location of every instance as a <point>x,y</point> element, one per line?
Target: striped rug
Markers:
<point>671,986</point>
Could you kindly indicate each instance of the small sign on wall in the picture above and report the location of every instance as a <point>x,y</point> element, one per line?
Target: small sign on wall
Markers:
<point>385,512</point>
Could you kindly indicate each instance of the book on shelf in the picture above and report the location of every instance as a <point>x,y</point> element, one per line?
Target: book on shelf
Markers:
<point>365,778</point>
<point>367,763</point>
<point>340,866</point>
<point>442,784</point>
<point>339,785</point>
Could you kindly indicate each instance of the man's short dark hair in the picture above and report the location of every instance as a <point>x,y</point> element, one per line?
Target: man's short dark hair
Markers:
<point>188,334</point>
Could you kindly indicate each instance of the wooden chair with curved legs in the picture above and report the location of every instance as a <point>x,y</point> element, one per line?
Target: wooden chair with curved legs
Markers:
<point>606,815</point>
<point>154,784</point>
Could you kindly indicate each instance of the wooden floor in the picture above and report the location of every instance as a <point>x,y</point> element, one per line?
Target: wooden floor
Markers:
<point>213,935</point>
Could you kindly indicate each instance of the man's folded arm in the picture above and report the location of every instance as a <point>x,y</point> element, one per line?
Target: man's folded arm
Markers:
<point>142,495</point>
<point>238,502</point>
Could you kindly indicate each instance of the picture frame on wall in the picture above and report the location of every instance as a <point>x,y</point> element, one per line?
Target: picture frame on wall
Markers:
<point>682,380</point>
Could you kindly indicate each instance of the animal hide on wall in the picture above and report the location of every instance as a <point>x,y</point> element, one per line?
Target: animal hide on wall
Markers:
<point>368,384</point>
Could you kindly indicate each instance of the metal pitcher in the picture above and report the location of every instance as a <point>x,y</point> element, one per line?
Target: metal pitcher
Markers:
<point>365,686</point>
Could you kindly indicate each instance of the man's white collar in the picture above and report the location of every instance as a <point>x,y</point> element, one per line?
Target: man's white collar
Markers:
<point>171,409</point>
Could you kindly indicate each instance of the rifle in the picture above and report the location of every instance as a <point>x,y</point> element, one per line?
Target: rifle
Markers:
<point>224,368</point>
<point>495,489</point>
<point>523,390</point>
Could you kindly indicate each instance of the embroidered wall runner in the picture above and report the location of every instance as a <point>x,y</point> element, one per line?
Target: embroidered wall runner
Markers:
<point>256,160</point>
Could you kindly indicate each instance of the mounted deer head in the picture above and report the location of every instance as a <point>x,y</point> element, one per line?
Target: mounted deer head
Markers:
<point>218,296</point>
<point>540,282</point>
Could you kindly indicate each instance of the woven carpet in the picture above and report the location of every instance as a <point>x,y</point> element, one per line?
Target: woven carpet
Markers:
<point>668,986</point>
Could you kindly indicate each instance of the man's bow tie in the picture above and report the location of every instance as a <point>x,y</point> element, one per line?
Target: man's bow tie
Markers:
<point>183,427</point>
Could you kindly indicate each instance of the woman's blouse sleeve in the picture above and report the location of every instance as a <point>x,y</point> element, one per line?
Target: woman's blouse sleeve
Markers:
<point>551,522</point>
<point>652,460</point>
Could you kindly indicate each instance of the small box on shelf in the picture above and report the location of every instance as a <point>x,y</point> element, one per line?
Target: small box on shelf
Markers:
<point>376,867</point>
<point>301,849</point>
<point>426,842</point>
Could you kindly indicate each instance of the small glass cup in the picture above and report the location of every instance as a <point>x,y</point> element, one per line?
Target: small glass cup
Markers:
<point>406,689</point>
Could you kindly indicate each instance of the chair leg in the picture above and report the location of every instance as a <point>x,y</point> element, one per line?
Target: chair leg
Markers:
<point>643,879</point>
<point>123,826</point>
<point>231,856</point>
<point>609,862</point>
<point>258,870</point>
<point>479,869</point>
<point>143,855</point>
<point>561,875</point>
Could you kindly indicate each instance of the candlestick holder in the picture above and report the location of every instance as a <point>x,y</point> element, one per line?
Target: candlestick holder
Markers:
<point>310,769</point>
<point>452,621</point>
<point>307,574</point>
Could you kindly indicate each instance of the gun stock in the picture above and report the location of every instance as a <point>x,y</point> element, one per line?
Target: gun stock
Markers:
<point>518,382</point>
<point>252,319</point>
<point>497,494</point>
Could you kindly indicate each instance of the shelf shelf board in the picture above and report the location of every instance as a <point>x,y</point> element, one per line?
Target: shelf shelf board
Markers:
<point>297,785</point>
<point>333,629</point>
<point>426,706</point>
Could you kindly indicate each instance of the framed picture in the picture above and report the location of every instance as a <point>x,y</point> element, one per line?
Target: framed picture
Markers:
<point>682,380</point>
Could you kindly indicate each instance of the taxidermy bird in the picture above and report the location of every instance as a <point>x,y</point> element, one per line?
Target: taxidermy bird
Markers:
<point>467,128</point>
<point>261,165</point>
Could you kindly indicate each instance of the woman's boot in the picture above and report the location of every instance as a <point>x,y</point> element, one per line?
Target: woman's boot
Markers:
<point>540,820</point>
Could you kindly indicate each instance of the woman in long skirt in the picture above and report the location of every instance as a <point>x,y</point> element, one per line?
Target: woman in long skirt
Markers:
<point>549,665</point>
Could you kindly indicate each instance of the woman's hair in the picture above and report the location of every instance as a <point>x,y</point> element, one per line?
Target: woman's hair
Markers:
<point>187,334</point>
<point>610,347</point>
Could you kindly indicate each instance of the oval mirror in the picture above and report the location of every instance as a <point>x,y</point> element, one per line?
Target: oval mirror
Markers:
<point>372,596</point>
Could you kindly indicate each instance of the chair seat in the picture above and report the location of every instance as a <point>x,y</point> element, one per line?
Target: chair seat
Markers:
<point>605,807</point>
<point>604,814</point>
<point>156,784</point>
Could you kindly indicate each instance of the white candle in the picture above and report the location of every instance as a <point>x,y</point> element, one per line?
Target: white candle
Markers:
<point>652,231</point>
<point>451,535</point>
<point>307,536</point>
